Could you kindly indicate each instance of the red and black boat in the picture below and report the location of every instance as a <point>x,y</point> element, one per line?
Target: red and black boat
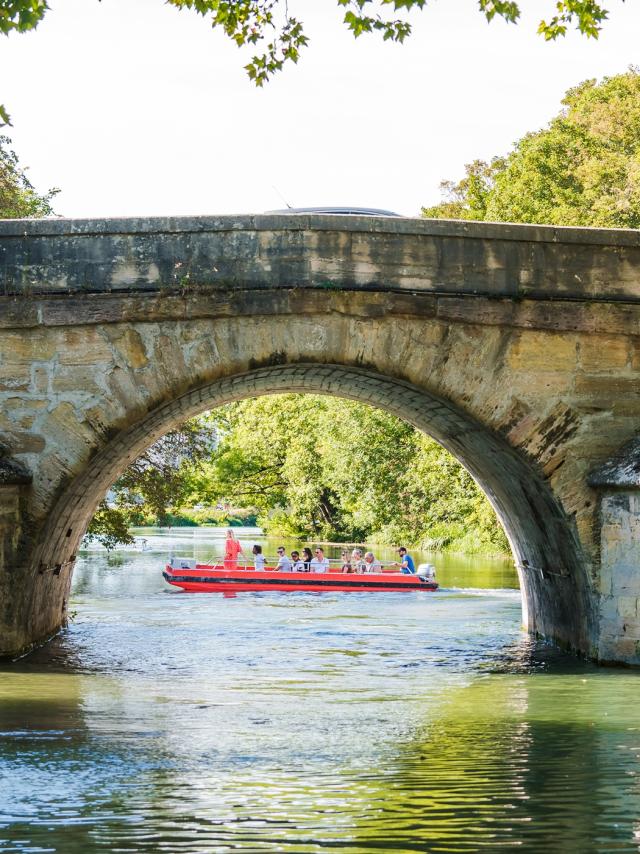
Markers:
<point>202,577</point>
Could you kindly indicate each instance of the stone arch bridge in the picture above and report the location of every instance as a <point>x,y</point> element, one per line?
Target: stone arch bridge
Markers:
<point>516,347</point>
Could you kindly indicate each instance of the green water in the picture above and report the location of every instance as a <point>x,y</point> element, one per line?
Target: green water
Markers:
<point>164,721</point>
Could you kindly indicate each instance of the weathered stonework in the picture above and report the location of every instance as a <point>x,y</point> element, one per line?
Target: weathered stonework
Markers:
<point>515,347</point>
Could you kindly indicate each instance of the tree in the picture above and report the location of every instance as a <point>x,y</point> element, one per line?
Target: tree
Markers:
<point>280,36</point>
<point>321,467</point>
<point>583,169</point>
<point>158,482</point>
<point>18,198</point>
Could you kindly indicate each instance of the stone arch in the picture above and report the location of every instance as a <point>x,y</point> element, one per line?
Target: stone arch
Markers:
<point>556,602</point>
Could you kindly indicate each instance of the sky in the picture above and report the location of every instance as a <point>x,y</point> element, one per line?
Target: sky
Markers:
<point>133,108</point>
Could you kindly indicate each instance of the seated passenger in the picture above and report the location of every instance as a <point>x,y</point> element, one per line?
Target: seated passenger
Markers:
<point>296,564</point>
<point>284,564</point>
<point>346,561</point>
<point>406,562</point>
<point>358,565</point>
<point>320,563</point>
<point>258,557</point>
<point>307,557</point>
<point>372,564</point>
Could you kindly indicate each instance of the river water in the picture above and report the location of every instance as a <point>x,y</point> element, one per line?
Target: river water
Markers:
<point>299,722</point>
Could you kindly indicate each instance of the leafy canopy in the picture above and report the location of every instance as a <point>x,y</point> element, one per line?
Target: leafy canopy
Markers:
<point>583,169</point>
<point>157,483</point>
<point>280,36</point>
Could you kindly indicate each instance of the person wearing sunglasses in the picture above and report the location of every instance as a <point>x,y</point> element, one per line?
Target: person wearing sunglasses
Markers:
<point>320,563</point>
<point>284,564</point>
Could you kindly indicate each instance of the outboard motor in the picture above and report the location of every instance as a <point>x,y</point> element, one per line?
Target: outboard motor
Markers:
<point>182,563</point>
<point>427,571</point>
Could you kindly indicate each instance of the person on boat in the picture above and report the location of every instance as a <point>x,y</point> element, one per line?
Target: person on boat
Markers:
<point>406,564</point>
<point>320,563</point>
<point>357,563</point>
<point>258,557</point>
<point>232,549</point>
<point>307,557</point>
<point>371,562</point>
<point>284,564</point>
<point>296,564</point>
<point>346,561</point>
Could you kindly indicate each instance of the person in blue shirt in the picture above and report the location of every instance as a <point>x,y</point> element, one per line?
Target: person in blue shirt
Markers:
<point>406,564</point>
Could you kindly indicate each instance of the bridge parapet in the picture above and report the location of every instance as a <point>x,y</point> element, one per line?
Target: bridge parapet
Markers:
<point>318,251</point>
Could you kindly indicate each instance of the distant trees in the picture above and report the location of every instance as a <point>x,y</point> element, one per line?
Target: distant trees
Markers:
<point>319,467</point>
<point>583,169</point>
<point>18,198</point>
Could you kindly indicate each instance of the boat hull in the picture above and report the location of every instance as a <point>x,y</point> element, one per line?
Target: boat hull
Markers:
<point>204,578</point>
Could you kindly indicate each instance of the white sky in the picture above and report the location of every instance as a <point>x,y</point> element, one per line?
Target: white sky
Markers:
<point>134,108</point>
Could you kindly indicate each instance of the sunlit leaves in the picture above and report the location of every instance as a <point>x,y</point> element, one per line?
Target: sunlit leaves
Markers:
<point>587,15</point>
<point>21,15</point>
<point>510,11</point>
<point>583,169</point>
<point>280,37</point>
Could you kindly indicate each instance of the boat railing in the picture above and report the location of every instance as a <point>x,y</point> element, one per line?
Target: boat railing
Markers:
<point>335,565</point>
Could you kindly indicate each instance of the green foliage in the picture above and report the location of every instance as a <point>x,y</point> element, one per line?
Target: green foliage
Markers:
<point>336,469</point>
<point>154,487</point>
<point>307,466</point>
<point>109,527</point>
<point>21,15</point>
<point>267,23</point>
<point>18,198</point>
<point>583,169</point>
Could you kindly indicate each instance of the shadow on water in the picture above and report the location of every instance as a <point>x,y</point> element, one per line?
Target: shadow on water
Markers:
<point>300,723</point>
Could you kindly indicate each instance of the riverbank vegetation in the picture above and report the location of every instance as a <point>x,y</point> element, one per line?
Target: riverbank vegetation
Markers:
<point>306,466</point>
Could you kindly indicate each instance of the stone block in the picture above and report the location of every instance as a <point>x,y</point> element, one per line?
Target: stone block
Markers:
<point>601,389</point>
<point>630,630</point>
<point>131,348</point>
<point>33,346</point>
<point>20,442</point>
<point>41,378</point>
<point>628,607</point>
<point>603,353</point>
<point>202,357</point>
<point>14,376</point>
<point>539,351</point>
<point>29,404</point>
<point>84,346</point>
<point>625,579</point>
<point>69,431</point>
<point>609,610</point>
<point>77,380</point>
<point>605,580</point>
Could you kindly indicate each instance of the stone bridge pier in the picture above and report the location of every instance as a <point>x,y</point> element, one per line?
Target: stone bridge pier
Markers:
<point>516,347</point>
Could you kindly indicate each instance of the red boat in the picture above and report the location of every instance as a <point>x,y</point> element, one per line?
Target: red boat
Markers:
<point>202,577</point>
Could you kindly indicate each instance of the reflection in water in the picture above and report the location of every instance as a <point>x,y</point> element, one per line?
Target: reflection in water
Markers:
<point>301,722</point>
